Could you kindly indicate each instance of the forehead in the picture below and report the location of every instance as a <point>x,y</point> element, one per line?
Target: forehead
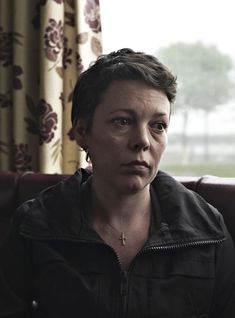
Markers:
<point>134,95</point>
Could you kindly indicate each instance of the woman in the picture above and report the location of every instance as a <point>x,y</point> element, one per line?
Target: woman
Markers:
<point>125,240</point>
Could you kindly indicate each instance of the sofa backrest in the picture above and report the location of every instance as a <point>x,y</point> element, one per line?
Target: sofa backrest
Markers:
<point>15,188</point>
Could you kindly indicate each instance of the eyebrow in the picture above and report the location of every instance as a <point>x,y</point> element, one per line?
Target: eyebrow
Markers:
<point>132,112</point>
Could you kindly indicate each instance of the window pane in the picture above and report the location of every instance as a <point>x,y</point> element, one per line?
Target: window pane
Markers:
<point>194,38</point>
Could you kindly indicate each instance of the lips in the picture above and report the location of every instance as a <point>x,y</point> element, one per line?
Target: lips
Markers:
<point>137,164</point>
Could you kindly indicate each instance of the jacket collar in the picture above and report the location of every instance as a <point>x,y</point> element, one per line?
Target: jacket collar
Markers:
<point>185,217</point>
<point>180,216</point>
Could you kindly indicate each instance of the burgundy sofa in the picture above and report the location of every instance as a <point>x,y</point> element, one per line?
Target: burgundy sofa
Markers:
<point>15,188</point>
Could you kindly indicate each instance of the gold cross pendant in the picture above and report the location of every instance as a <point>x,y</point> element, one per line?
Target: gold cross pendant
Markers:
<point>122,238</point>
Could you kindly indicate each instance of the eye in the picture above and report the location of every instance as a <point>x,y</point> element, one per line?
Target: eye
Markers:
<point>159,127</point>
<point>122,121</point>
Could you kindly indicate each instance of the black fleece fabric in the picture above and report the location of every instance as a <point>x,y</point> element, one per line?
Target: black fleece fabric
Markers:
<point>55,265</point>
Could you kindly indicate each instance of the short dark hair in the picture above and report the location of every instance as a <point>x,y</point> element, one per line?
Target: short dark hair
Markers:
<point>124,64</point>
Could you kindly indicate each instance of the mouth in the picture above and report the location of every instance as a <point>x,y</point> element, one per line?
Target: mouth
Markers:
<point>138,164</point>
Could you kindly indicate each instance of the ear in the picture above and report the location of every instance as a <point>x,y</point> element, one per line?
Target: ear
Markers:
<point>80,133</point>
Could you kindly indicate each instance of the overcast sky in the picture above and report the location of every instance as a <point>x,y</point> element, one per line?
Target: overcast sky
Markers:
<point>149,24</point>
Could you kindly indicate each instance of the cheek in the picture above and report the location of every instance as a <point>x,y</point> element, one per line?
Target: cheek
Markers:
<point>112,143</point>
<point>161,144</point>
<point>102,149</point>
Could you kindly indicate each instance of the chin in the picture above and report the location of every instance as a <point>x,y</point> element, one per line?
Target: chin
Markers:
<point>135,185</point>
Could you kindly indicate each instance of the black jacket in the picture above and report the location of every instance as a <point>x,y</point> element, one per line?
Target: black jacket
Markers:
<point>55,265</point>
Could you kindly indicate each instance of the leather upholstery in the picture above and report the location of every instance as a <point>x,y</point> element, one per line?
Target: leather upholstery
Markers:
<point>15,188</point>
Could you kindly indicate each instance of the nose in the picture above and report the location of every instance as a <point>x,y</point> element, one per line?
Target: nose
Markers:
<point>140,139</point>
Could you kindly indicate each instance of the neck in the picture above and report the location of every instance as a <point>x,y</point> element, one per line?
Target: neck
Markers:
<point>121,219</point>
<point>108,206</point>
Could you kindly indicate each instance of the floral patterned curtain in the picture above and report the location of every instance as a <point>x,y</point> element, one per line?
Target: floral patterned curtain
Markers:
<point>44,46</point>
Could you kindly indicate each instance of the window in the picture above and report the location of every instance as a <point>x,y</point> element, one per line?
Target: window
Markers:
<point>202,130</point>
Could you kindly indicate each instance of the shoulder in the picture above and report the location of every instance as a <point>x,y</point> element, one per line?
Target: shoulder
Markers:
<point>54,208</point>
<point>184,209</point>
<point>58,194</point>
<point>171,191</point>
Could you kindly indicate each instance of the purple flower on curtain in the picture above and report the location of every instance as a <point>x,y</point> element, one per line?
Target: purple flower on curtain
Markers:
<point>47,122</point>
<point>5,101</point>
<point>6,53</point>
<point>66,54</point>
<point>21,157</point>
<point>7,39</point>
<point>70,19</point>
<point>92,15</point>
<point>54,39</point>
<point>80,66</point>
<point>36,18</point>
<point>96,46</point>
<point>66,57</point>
<point>44,121</point>
<point>17,71</point>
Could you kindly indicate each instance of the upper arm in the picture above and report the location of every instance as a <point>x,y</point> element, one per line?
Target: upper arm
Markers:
<point>15,275</point>
<point>223,305</point>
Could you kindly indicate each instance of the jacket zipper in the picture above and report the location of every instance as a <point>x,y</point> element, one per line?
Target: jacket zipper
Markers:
<point>125,274</point>
<point>123,293</point>
<point>182,245</point>
<point>176,246</point>
<point>169,247</point>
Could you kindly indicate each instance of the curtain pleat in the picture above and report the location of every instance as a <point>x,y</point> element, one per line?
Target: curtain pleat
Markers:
<point>44,46</point>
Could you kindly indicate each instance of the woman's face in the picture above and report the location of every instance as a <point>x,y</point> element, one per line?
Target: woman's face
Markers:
<point>128,136</point>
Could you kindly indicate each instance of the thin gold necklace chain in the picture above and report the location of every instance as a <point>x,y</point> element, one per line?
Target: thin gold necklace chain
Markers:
<point>122,238</point>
